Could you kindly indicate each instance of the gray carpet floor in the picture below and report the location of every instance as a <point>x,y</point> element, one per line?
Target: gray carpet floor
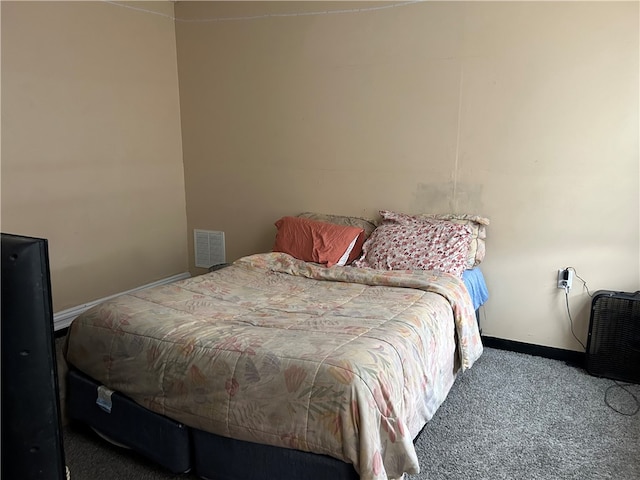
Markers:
<point>512,416</point>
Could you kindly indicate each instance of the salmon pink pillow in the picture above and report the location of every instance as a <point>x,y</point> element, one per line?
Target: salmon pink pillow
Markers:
<point>319,242</point>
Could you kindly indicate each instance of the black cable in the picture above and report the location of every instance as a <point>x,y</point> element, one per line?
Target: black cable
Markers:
<point>584,283</point>
<point>623,386</point>
<point>566,297</point>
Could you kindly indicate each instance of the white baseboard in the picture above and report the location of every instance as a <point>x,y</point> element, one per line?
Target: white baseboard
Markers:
<point>64,318</point>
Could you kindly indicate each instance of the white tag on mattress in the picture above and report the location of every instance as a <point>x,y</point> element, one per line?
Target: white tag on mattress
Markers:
<point>104,398</point>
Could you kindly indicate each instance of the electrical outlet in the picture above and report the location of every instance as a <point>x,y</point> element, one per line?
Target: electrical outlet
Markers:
<point>565,278</point>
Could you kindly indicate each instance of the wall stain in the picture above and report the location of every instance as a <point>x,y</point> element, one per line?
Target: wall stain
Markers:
<point>440,198</point>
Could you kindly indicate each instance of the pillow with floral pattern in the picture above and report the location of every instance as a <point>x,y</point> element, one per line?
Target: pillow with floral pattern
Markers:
<point>477,223</point>
<point>417,245</point>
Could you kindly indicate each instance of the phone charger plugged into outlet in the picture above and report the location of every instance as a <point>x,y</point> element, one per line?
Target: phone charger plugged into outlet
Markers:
<point>565,278</point>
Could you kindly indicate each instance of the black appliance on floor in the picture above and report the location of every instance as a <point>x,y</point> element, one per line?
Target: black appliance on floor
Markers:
<point>613,345</point>
<point>32,447</point>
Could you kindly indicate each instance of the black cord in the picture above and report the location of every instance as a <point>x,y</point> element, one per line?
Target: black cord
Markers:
<point>625,387</point>
<point>584,283</point>
<point>566,297</point>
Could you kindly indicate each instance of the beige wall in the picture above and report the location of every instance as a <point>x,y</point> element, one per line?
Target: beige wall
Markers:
<point>91,143</point>
<point>524,112</point>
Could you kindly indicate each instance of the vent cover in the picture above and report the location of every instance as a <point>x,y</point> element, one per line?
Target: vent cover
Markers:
<point>209,248</point>
<point>613,346</point>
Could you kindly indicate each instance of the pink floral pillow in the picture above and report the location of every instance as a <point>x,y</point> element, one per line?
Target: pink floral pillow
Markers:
<point>408,244</point>
<point>477,223</point>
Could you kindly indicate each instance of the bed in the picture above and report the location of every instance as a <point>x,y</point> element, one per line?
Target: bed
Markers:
<point>277,366</point>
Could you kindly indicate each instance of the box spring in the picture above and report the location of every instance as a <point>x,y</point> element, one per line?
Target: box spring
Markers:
<point>162,440</point>
<point>221,458</point>
<point>173,445</point>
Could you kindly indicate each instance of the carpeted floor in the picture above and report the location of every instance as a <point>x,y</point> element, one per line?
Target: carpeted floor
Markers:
<point>512,416</point>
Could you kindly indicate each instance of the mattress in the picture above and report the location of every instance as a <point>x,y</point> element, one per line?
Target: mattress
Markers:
<point>345,362</point>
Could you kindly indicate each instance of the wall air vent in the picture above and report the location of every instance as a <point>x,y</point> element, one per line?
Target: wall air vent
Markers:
<point>209,248</point>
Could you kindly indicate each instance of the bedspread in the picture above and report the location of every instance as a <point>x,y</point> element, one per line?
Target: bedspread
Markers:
<point>341,361</point>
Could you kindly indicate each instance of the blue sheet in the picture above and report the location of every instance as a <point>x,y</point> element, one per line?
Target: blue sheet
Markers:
<point>474,281</point>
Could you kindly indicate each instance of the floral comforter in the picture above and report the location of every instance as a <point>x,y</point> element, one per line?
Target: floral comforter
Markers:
<point>342,361</point>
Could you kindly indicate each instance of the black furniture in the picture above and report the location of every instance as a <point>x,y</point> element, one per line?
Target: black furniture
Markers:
<point>32,447</point>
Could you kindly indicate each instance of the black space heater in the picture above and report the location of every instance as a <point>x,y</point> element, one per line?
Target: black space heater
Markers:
<point>613,345</point>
